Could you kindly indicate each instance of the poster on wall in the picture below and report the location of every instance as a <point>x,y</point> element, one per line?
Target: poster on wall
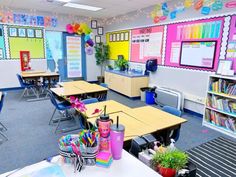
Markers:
<point>231,48</point>
<point>25,60</point>
<point>74,58</point>
<point>146,43</point>
<point>2,44</point>
<point>209,30</point>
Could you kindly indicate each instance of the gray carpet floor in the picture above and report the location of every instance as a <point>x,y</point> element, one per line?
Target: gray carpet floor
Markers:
<point>31,139</point>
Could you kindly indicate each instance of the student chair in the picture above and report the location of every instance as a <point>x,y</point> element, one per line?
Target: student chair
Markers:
<point>2,126</point>
<point>103,96</point>
<point>25,86</point>
<point>174,134</point>
<point>62,106</point>
<point>87,101</point>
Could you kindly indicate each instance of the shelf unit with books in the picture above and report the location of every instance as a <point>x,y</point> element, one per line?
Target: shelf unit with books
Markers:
<point>220,107</point>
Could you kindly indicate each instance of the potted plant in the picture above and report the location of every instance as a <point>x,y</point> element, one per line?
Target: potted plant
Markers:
<point>170,161</point>
<point>102,56</point>
<point>121,63</point>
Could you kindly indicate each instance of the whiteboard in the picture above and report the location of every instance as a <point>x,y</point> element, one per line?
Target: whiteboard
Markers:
<point>198,54</point>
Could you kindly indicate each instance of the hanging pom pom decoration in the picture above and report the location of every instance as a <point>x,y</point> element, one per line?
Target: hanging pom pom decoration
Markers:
<point>205,10</point>
<point>81,29</point>
<point>69,29</point>
<point>198,5</point>
<point>173,15</point>
<point>188,3</point>
<point>156,19</point>
<point>231,4</point>
<point>217,5</point>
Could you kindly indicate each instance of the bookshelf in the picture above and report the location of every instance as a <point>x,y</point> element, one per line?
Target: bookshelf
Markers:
<point>220,107</point>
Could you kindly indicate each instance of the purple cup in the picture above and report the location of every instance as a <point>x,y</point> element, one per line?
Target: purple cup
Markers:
<point>117,140</point>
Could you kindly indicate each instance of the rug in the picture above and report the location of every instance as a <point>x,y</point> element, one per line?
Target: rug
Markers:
<point>215,158</point>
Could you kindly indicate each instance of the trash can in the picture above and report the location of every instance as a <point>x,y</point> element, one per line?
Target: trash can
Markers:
<point>142,93</point>
<point>150,96</point>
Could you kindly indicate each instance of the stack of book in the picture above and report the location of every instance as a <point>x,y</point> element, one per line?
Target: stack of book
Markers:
<point>223,86</point>
<point>220,120</point>
<point>221,104</point>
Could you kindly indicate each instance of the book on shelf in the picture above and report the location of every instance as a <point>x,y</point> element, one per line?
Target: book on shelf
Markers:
<point>223,86</point>
<point>221,104</point>
<point>220,120</point>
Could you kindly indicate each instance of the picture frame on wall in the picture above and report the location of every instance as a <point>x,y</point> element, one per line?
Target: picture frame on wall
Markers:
<point>98,39</point>
<point>94,24</point>
<point>122,36</point>
<point>110,38</point>
<point>118,37</point>
<point>114,37</point>
<point>100,30</point>
<point>22,32</point>
<point>30,33</point>
<point>126,36</point>
<point>12,32</point>
<point>224,66</point>
<point>38,33</point>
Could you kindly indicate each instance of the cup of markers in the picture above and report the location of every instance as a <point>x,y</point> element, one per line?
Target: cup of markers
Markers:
<point>89,146</point>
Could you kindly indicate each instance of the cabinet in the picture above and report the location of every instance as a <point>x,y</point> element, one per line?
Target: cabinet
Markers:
<point>126,84</point>
<point>220,108</point>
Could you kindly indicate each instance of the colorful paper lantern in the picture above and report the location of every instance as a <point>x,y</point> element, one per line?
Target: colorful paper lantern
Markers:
<point>89,50</point>
<point>86,37</point>
<point>90,42</point>
<point>76,27</point>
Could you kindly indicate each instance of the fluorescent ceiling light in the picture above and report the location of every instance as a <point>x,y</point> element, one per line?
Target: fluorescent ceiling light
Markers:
<point>63,0</point>
<point>81,6</point>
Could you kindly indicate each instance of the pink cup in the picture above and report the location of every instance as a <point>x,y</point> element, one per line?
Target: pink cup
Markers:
<point>117,140</point>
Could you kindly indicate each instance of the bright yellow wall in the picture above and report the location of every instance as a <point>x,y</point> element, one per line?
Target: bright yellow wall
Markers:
<point>118,47</point>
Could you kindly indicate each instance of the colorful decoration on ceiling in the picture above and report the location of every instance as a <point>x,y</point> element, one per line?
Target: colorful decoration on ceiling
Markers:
<point>24,19</point>
<point>162,11</point>
<point>82,29</point>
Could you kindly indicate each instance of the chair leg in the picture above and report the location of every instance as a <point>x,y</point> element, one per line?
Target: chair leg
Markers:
<point>52,116</point>
<point>23,93</point>
<point>3,135</point>
<point>3,126</point>
<point>59,122</point>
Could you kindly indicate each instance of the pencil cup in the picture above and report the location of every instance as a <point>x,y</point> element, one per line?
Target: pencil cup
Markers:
<point>117,140</point>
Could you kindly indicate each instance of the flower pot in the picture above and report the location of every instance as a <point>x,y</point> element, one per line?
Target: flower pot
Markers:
<point>167,172</point>
<point>100,79</point>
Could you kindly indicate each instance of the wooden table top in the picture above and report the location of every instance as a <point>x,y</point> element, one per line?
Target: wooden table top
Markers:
<point>38,74</point>
<point>154,117</point>
<point>83,85</point>
<point>133,127</point>
<point>67,91</point>
<point>112,107</point>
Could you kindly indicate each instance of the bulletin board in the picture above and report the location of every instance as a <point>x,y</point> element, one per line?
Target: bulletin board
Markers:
<point>200,30</point>
<point>146,43</point>
<point>231,48</point>
<point>119,44</point>
<point>23,38</point>
<point>2,44</point>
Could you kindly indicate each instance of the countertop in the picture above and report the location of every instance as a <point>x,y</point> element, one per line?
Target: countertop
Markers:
<point>127,73</point>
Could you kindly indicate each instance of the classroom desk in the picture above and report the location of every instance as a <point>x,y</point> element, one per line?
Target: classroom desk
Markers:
<point>127,166</point>
<point>154,117</point>
<point>111,107</point>
<point>73,83</point>
<point>67,91</point>
<point>36,76</point>
<point>133,127</point>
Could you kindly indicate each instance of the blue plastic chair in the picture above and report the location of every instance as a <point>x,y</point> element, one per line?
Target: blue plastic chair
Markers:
<point>104,85</point>
<point>103,96</point>
<point>87,101</point>
<point>62,106</point>
<point>175,133</point>
<point>1,106</point>
<point>25,86</point>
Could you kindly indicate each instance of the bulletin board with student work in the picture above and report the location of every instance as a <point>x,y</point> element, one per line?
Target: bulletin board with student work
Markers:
<point>2,44</point>
<point>22,38</point>
<point>146,43</point>
<point>119,44</point>
<point>231,48</point>
<point>195,44</point>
